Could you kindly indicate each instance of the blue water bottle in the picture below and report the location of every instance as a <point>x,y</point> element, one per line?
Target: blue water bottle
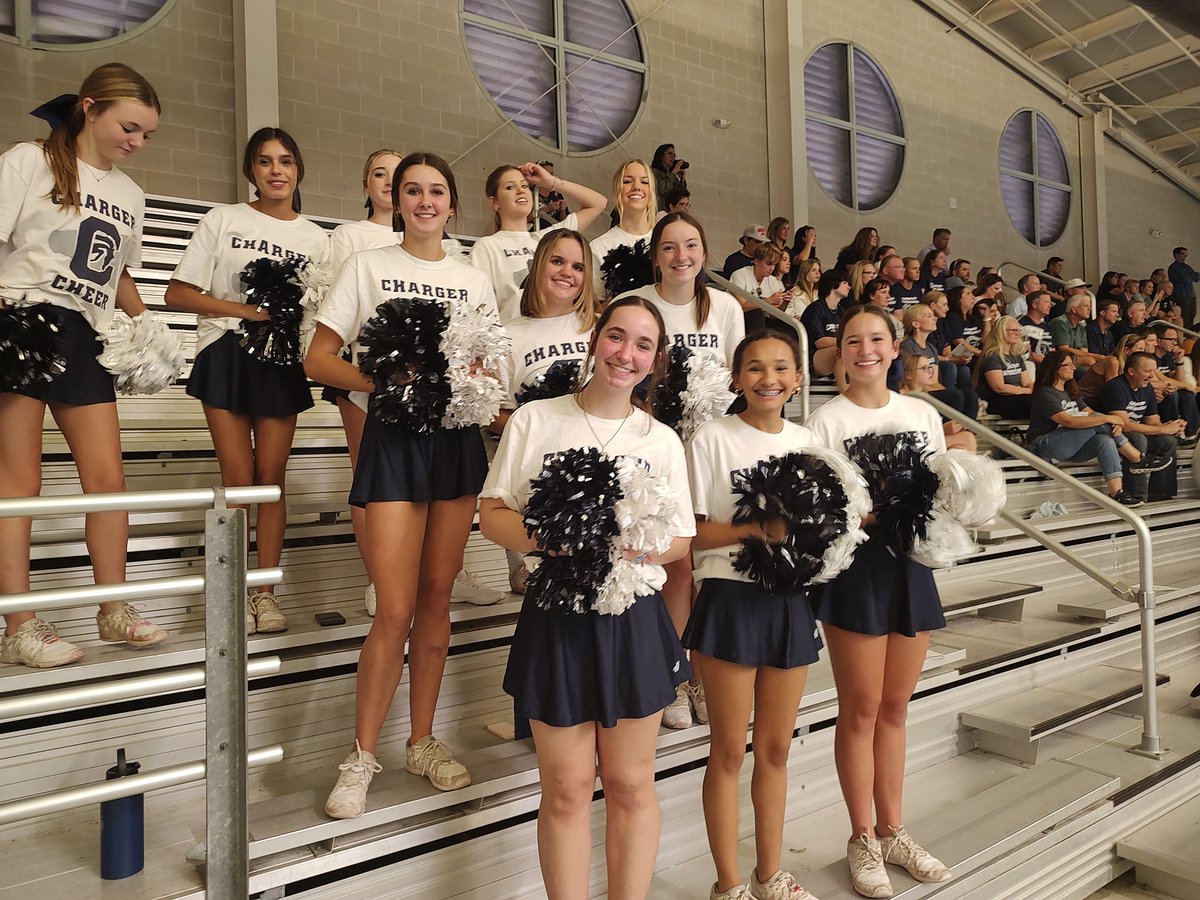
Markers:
<point>122,827</point>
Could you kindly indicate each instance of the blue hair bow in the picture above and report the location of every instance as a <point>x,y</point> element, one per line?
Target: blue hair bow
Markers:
<point>58,111</point>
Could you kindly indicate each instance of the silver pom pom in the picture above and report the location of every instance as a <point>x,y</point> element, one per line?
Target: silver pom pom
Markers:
<point>143,354</point>
<point>476,347</point>
<point>315,277</point>
<point>644,515</point>
<point>707,395</point>
<point>971,492</point>
<point>840,553</point>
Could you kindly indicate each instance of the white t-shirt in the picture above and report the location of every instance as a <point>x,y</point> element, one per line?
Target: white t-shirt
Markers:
<point>537,344</point>
<point>225,240</point>
<point>67,258</point>
<point>838,420</point>
<point>719,449</point>
<point>356,236</point>
<point>505,257</point>
<point>543,427</point>
<point>744,278</point>
<point>610,240</point>
<point>721,332</point>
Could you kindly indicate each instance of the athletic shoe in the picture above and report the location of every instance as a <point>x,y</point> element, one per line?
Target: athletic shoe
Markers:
<point>679,713</point>
<point>698,701</point>
<point>129,625</point>
<point>780,886</point>
<point>901,850</point>
<point>517,579</point>
<point>348,799</point>
<point>267,616</point>
<point>867,872</point>
<point>1127,499</point>
<point>251,623</point>
<point>435,760</point>
<point>369,598</point>
<point>467,590</point>
<point>1149,463</point>
<point>36,644</point>
<point>737,892</point>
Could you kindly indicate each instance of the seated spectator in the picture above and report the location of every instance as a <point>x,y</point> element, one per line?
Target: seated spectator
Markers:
<point>1095,377</point>
<point>779,229</point>
<point>804,288</point>
<point>1108,286</point>
<point>860,273</point>
<point>757,279</point>
<point>921,375</point>
<point>1130,396</point>
<point>679,199</point>
<point>920,328</point>
<point>954,326</point>
<point>953,371</point>
<point>1101,339</point>
<point>861,248</point>
<point>979,321</point>
<point>1169,308</point>
<point>752,236</point>
<point>934,276</point>
<point>1133,319</point>
<point>1063,429</point>
<point>882,252</point>
<point>805,247</point>
<point>1075,287</point>
<point>940,241</point>
<point>961,268</point>
<point>906,291</point>
<point>1036,324</point>
<point>1054,277</point>
<point>876,292</point>
<point>821,319</point>
<point>1026,285</point>
<point>1069,333</point>
<point>1179,400</point>
<point>1000,376</point>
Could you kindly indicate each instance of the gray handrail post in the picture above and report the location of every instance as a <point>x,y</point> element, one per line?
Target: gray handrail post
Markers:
<point>1151,744</point>
<point>227,826</point>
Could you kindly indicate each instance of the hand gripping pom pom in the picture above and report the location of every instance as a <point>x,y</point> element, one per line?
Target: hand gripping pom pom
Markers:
<point>896,467</point>
<point>403,357</point>
<point>627,268</point>
<point>315,278</point>
<point>475,347</point>
<point>30,346</point>
<point>558,380</point>
<point>818,494</point>
<point>970,494</point>
<point>143,354</point>
<point>644,512</point>
<point>274,285</point>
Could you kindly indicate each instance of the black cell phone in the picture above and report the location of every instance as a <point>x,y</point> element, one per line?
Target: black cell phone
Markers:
<point>330,618</point>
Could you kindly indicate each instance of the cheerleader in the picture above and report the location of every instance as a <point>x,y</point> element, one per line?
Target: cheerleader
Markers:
<point>754,646</point>
<point>418,490</point>
<point>594,685</point>
<point>877,616</point>
<point>636,205</point>
<point>705,320</point>
<point>505,255</point>
<point>250,404</point>
<point>70,225</point>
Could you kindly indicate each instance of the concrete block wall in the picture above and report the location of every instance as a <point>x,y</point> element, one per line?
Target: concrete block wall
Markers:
<point>188,57</point>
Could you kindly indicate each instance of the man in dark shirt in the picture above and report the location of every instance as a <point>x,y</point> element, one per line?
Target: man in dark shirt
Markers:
<point>1040,343</point>
<point>1179,401</point>
<point>1101,339</point>
<point>1133,320</point>
<point>1183,278</point>
<point>820,319</point>
<point>740,258</point>
<point>1131,397</point>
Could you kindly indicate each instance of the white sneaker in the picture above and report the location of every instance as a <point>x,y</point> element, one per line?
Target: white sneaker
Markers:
<point>36,644</point>
<point>518,578</point>
<point>369,598</point>
<point>737,892</point>
<point>348,799</point>
<point>679,713</point>
<point>267,617</point>
<point>698,701</point>
<point>467,590</point>
<point>780,886</point>
<point>128,625</point>
<point>867,872</point>
<point>435,760</point>
<point>902,850</point>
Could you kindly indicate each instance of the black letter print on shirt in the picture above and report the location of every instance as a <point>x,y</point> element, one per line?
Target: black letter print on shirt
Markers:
<point>95,251</point>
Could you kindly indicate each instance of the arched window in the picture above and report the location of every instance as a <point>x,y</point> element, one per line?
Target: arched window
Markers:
<point>1034,179</point>
<point>77,24</point>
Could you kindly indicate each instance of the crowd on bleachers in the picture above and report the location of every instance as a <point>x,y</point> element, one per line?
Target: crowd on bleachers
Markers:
<point>586,333</point>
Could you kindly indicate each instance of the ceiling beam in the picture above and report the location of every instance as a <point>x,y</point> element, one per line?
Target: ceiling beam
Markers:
<point>1000,9</point>
<point>1135,64</point>
<point>1166,104</point>
<point>1085,34</point>
<point>1189,138</point>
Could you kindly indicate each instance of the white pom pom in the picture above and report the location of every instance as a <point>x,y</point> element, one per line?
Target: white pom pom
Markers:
<point>476,346</point>
<point>315,277</point>
<point>644,515</point>
<point>840,553</point>
<point>971,487</point>
<point>143,354</point>
<point>707,395</point>
<point>946,543</point>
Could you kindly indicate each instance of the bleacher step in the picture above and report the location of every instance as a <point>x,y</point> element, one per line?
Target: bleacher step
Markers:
<point>998,531</point>
<point>969,836</point>
<point>1103,607</point>
<point>1164,852</point>
<point>988,598</point>
<point>1014,726</point>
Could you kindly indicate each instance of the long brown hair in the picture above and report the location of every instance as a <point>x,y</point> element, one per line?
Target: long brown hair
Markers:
<point>703,300</point>
<point>491,189</point>
<point>660,353</point>
<point>422,158</point>
<point>587,305</point>
<point>106,85</point>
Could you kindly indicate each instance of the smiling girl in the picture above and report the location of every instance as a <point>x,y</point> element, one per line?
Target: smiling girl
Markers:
<point>636,204</point>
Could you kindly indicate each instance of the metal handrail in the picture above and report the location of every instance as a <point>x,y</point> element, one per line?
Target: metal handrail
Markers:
<point>1188,331</point>
<point>1044,275</point>
<point>801,333</point>
<point>140,501</point>
<point>1151,744</point>
<point>129,786</point>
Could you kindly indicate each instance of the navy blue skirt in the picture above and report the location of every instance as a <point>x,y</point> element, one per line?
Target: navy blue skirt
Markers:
<point>226,377</point>
<point>743,623</point>
<point>84,382</point>
<point>333,395</point>
<point>882,594</point>
<point>565,670</point>
<point>395,465</point>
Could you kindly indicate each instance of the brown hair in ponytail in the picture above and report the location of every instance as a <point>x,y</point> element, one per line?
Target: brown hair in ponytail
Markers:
<point>703,301</point>
<point>106,85</point>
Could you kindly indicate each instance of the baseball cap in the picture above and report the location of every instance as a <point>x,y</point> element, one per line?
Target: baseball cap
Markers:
<point>755,233</point>
<point>1077,282</point>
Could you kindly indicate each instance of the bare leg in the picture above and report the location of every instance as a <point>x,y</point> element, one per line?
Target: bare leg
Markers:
<point>354,420</point>
<point>272,447</point>
<point>235,451</point>
<point>626,753</point>
<point>20,476</point>
<point>567,774</point>
<point>905,656</point>
<point>777,694</point>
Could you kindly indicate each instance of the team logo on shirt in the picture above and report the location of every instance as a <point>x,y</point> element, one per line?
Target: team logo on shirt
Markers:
<point>94,250</point>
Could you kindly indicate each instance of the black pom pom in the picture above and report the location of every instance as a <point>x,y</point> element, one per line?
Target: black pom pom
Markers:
<point>902,486</point>
<point>806,494</point>
<point>31,344</point>
<point>556,381</point>
<point>668,398</point>
<point>570,511</point>
<point>627,268</point>
<point>403,357</point>
<point>274,285</point>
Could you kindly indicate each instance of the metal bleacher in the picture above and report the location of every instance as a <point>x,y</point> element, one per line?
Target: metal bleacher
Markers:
<point>1020,622</point>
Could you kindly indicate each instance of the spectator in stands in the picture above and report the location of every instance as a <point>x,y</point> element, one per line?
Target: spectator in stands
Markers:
<point>920,374</point>
<point>1054,277</point>
<point>961,268</point>
<point>953,326</point>
<point>779,230</point>
<point>933,272</point>
<point>1073,288</point>
<point>953,371</point>
<point>678,200</point>
<point>752,236</point>
<point>804,290</point>
<point>669,172</point>
<point>552,205</point>
<point>979,322</point>
<point>1038,318</point>
<point>593,686</point>
<point>1101,339</point>
<point>860,273</point>
<point>906,291</point>
<point>820,320</point>
<point>940,242</point>
<point>882,252</point>
<point>1068,331</point>
<point>1131,397</point>
<point>1133,319</point>
<point>1026,285</point>
<point>1183,280</point>
<point>1062,428</point>
<point>45,191</point>
<point>1092,380</point>
<point>806,245</point>
<point>1180,397</point>
<point>861,248</point>
<point>1000,375</point>
<point>1108,286</point>
<point>877,293</point>
<point>757,279</point>
<point>920,328</point>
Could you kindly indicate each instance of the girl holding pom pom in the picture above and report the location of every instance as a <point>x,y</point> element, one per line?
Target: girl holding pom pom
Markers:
<point>754,645</point>
<point>250,404</point>
<point>594,685</point>
<point>70,225</point>
<point>878,614</point>
<point>636,205</point>
<point>418,489</point>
